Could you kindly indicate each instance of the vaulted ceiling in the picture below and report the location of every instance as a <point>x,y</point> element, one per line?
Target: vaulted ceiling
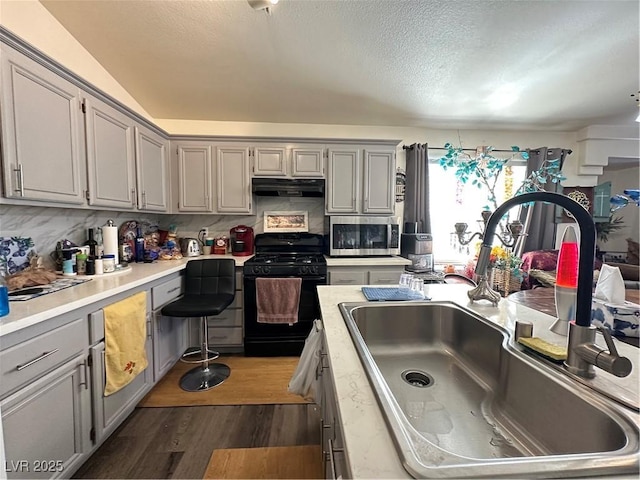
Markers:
<point>528,64</point>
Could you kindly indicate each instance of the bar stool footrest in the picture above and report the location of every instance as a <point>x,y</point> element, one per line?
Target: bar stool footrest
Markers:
<point>194,355</point>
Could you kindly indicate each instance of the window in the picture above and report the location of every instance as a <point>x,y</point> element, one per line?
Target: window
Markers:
<point>452,202</point>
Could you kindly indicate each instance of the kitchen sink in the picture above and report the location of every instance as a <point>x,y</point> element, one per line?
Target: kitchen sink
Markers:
<point>461,401</point>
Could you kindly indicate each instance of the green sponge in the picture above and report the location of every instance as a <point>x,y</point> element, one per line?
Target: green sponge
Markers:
<point>553,352</point>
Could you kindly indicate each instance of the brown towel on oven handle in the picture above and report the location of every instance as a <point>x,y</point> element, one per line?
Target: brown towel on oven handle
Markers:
<point>277,299</point>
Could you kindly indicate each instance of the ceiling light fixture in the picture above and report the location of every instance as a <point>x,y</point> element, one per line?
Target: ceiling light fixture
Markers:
<point>262,5</point>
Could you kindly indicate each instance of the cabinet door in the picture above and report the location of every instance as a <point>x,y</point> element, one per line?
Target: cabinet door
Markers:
<point>233,180</point>
<point>379,182</point>
<point>151,170</point>
<point>109,412</point>
<point>385,276</point>
<point>307,161</point>
<point>47,423</point>
<point>110,156</point>
<point>269,161</point>
<point>41,132</point>
<point>169,342</point>
<point>342,180</point>
<point>194,178</point>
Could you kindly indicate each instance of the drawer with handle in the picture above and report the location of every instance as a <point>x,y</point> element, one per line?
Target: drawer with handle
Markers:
<point>167,292</point>
<point>29,360</point>
<point>224,336</point>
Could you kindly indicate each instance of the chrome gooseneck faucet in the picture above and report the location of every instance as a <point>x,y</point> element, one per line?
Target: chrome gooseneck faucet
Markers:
<point>582,352</point>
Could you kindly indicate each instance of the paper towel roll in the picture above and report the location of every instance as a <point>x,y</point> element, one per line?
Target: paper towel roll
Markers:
<point>110,240</point>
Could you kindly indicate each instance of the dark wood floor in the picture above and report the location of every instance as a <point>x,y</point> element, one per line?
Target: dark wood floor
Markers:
<point>177,442</point>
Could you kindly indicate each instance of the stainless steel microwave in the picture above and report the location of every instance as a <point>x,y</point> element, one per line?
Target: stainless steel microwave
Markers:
<point>360,236</point>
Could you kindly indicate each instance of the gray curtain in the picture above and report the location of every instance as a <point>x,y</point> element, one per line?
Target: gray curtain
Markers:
<point>540,224</point>
<point>416,205</point>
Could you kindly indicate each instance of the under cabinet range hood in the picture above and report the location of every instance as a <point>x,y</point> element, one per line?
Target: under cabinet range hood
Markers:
<point>288,187</point>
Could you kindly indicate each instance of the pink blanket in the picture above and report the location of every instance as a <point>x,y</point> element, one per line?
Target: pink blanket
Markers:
<point>278,299</point>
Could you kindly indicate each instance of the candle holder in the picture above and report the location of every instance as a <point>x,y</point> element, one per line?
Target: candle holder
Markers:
<point>514,231</point>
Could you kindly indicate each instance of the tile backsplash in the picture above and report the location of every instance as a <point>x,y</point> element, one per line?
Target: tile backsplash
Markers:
<point>48,225</point>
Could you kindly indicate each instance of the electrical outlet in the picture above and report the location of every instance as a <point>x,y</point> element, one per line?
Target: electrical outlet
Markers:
<point>204,231</point>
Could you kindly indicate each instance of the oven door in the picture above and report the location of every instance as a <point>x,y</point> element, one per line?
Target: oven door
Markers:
<point>280,339</point>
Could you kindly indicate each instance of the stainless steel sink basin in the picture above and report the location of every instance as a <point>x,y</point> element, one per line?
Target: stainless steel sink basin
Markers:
<point>460,401</point>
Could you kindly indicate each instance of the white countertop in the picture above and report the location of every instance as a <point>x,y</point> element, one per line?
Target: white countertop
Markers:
<point>27,313</point>
<point>370,449</point>
<point>366,261</point>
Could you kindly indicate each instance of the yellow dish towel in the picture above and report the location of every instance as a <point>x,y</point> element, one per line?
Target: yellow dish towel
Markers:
<point>125,333</point>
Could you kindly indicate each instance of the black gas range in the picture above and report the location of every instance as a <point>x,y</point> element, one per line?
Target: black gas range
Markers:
<point>283,255</point>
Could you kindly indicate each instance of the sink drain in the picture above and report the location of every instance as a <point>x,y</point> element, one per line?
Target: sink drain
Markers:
<point>417,378</point>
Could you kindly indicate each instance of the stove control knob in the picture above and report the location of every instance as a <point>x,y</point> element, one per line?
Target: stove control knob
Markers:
<point>314,269</point>
<point>304,269</point>
<point>266,269</point>
<point>256,269</point>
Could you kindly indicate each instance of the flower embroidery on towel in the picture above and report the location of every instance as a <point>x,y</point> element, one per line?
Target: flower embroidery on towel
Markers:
<point>129,367</point>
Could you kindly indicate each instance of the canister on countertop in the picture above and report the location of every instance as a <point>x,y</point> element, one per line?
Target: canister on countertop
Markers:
<point>99,266</point>
<point>109,263</point>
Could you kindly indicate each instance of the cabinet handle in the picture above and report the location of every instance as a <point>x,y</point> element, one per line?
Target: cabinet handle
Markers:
<point>144,199</point>
<point>36,360</point>
<point>173,289</point>
<point>342,282</point>
<point>332,463</point>
<point>85,381</point>
<point>19,179</point>
<point>133,197</point>
<point>149,329</point>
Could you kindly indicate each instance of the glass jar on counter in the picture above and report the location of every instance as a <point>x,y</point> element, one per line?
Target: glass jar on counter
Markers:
<point>109,263</point>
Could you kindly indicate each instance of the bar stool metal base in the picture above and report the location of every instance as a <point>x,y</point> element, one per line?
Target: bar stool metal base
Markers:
<point>200,379</point>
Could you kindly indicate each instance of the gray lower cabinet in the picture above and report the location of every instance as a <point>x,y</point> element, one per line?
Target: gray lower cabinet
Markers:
<point>385,275</point>
<point>42,133</point>
<point>225,332</point>
<point>46,402</point>
<point>170,335</point>
<point>109,412</point>
<point>333,449</point>
<point>47,423</point>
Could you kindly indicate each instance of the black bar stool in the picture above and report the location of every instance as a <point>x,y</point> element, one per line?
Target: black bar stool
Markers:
<point>210,287</point>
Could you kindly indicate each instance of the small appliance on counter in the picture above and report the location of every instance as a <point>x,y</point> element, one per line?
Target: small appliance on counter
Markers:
<point>190,247</point>
<point>241,241</point>
<point>417,247</point>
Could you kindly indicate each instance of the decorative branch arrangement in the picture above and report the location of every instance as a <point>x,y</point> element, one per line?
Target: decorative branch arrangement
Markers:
<point>484,170</point>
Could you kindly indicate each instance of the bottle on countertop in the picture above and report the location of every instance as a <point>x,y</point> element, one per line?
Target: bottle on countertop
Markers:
<point>4,293</point>
<point>100,245</point>
<point>92,244</point>
<point>139,246</point>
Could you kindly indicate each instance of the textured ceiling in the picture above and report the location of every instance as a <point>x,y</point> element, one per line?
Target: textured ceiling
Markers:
<point>437,63</point>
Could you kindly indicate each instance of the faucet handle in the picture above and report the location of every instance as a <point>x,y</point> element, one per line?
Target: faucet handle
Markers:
<point>612,362</point>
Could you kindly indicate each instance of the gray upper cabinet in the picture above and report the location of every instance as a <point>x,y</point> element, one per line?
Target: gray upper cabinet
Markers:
<point>110,156</point>
<point>269,161</point>
<point>297,160</point>
<point>379,182</point>
<point>307,161</point>
<point>233,181</point>
<point>194,178</point>
<point>360,180</point>
<point>151,170</point>
<point>41,132</point>
<point>343,173</point>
